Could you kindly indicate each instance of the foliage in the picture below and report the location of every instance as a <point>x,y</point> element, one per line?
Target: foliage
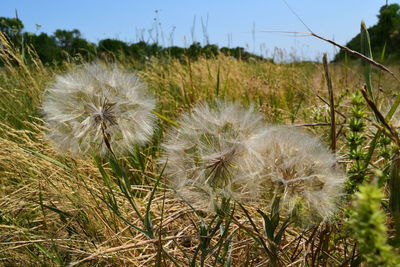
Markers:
<point>56,210</point>
<point>64,44</point>
<point>355,140</point>
<point>367,225</point>
<point>385,35</point>
<point>11,27</point>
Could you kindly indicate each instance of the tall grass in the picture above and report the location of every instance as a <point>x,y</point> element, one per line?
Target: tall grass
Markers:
<point>58,211</point>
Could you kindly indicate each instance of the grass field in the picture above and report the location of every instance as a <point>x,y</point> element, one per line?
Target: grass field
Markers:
<point>62,210</point>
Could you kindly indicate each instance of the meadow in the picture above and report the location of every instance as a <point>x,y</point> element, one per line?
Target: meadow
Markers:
<point>63,210</point>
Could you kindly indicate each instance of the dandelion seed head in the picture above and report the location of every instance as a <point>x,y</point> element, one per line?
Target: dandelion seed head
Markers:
<point>207,157</point>
<point>93,106</point>
<point>298,167</point>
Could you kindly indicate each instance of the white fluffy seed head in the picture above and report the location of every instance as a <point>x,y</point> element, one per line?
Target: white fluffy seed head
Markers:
<point>300,169</point>
<point>208,158</point>
<point>92,107</point>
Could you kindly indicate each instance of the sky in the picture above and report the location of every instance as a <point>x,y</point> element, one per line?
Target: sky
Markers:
<point>256,25</point>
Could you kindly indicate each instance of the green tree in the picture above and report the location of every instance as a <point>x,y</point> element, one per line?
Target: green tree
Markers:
<point>45,47</point>
<point>194,50</point>
<point>210,50</point>
<point>73,44</point>
<point>384,35</point>
<point>12,27</point>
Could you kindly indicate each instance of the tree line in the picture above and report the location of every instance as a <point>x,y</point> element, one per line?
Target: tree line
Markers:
<point>384,36</point>
<point>64,44</point>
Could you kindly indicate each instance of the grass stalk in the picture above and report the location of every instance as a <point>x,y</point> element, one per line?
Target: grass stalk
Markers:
<point>331,102</point>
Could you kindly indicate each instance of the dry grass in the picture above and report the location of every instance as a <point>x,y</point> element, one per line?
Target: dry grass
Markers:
<point>52,208</point>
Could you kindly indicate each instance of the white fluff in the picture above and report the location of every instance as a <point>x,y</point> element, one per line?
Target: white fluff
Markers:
<point>208,158</point>
<point>301,169</point>
<point>92,103</point>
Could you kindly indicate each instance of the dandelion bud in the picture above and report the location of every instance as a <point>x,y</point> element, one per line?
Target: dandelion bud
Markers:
<point>94,110</point>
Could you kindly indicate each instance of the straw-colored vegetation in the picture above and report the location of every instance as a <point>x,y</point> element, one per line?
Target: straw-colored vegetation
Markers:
<point>58,210</point>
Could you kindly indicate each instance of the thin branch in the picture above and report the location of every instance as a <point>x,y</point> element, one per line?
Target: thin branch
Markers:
<point>357,54</point>
<point>350,51</point>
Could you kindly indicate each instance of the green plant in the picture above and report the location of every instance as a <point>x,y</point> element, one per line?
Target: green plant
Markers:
<point>367,227</point>
<point>355,141</point>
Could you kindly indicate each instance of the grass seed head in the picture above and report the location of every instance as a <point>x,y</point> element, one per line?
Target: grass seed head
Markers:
<point>93,108</point>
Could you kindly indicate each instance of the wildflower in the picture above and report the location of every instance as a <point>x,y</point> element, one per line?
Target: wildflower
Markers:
<point>299,169</point>
<point>93,109</point>
<point>207,157</point>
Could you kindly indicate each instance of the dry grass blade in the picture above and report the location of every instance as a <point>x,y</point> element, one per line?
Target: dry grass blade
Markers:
<point>331,103</point>
<point>393,134</point>
<point>53,209</point>
<point>123,248</point>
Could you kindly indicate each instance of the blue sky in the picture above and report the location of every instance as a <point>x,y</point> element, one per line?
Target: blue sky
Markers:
<point>226,23</point>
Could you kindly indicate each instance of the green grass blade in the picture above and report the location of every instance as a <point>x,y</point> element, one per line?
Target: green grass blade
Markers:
<point>49,159</point>
<point>366,51</point>
<point>383,53</point>
<point>147,219</point>
<point>116,212</point>
<point>124,184</point>
<point>54,257</point>
<point>107,181</point>
<point>165,119</point>
<point>377,135</point>
<point>58,211</point>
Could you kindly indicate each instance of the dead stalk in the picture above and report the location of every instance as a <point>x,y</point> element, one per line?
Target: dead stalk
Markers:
<point>331,103</point>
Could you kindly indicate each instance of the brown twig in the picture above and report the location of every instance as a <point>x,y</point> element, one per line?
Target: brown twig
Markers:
<point>350,51</point>
<point>357,54</point>
<point>315,124</point>
<point>393,134</point>
<point>331,102</point>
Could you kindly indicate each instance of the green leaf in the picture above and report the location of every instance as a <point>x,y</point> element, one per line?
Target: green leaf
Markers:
<point>49,159</point>
<point>124,184</point>
<point>269,229</point>
<point>366,51</point>
<point>147,220</point>
<point>281,231</point>
<point>107,181</point>
<point>58,211</point>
